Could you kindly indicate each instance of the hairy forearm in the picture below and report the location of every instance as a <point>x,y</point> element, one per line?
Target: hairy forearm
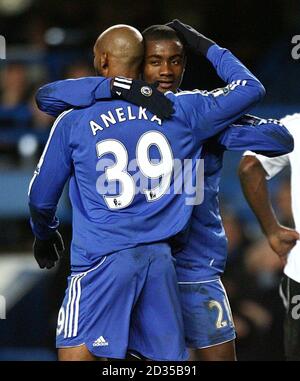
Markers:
<point>254,186</point>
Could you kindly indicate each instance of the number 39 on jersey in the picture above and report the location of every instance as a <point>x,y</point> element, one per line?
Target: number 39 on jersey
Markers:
<point>119,170</point>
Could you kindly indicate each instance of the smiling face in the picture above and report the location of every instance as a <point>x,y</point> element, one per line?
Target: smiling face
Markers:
<point>165,63</point>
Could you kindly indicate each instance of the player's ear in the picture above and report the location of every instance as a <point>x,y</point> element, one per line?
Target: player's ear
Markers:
<point>104,67</point>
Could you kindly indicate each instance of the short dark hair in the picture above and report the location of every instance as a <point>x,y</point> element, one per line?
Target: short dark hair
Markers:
<point>160,32</point>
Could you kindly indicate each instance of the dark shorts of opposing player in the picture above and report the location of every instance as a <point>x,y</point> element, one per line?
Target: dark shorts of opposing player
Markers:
<point>206,314</point>
<point>290,294</point>
<point>128,302</point>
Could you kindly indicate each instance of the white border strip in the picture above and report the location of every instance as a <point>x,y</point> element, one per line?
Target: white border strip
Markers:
<point>203,281</point>
<point>40,163</point>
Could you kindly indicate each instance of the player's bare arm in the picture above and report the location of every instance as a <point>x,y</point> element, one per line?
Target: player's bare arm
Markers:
<point>253,180</point>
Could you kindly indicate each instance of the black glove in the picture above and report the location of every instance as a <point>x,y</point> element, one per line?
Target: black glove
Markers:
<point>47,252</point>
<point>192,39</point>
<point>142,94</point>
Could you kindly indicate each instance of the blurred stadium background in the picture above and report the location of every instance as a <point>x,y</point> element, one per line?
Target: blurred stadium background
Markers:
<point>49,40</point>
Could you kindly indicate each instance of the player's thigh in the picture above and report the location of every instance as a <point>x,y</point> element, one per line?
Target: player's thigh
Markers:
<point>290,293</point>
<point>207,316</point>
<point>219,352</point>
<point>157,324</point>
<point>98,303</point>
<point>80,353</point>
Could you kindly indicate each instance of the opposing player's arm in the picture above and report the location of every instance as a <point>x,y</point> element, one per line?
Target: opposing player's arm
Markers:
<point>267,137</point>
<point>253,172</point>
<point>50,176</point>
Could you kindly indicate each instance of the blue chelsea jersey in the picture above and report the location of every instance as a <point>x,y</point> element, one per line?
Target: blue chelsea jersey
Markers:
<point>104,149</point>
<point>203,252</point>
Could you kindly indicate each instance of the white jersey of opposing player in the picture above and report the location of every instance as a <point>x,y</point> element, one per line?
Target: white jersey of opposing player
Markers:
<point>273,166</point>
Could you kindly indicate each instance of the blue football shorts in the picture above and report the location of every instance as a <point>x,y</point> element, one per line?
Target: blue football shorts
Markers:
<point>128,302</point>
<point>206,314</point>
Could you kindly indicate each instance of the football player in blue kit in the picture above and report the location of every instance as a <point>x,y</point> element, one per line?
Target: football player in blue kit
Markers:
<point>122,292</point>
<point>164,63</point>
<point>209,329</point>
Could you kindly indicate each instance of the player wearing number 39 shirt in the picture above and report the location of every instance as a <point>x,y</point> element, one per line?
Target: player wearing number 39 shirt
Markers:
<point>122,292</point>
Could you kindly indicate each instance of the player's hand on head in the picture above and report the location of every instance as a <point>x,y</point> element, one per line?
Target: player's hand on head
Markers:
<point>192,39</point>
<point>142,94</point>
<point>47,252</point>
<point>282,241</point>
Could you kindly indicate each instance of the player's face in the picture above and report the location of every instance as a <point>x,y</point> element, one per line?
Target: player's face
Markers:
<point>164,62</point>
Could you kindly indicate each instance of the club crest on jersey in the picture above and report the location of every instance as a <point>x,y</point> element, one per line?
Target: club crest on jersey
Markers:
<point>146,91</point>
